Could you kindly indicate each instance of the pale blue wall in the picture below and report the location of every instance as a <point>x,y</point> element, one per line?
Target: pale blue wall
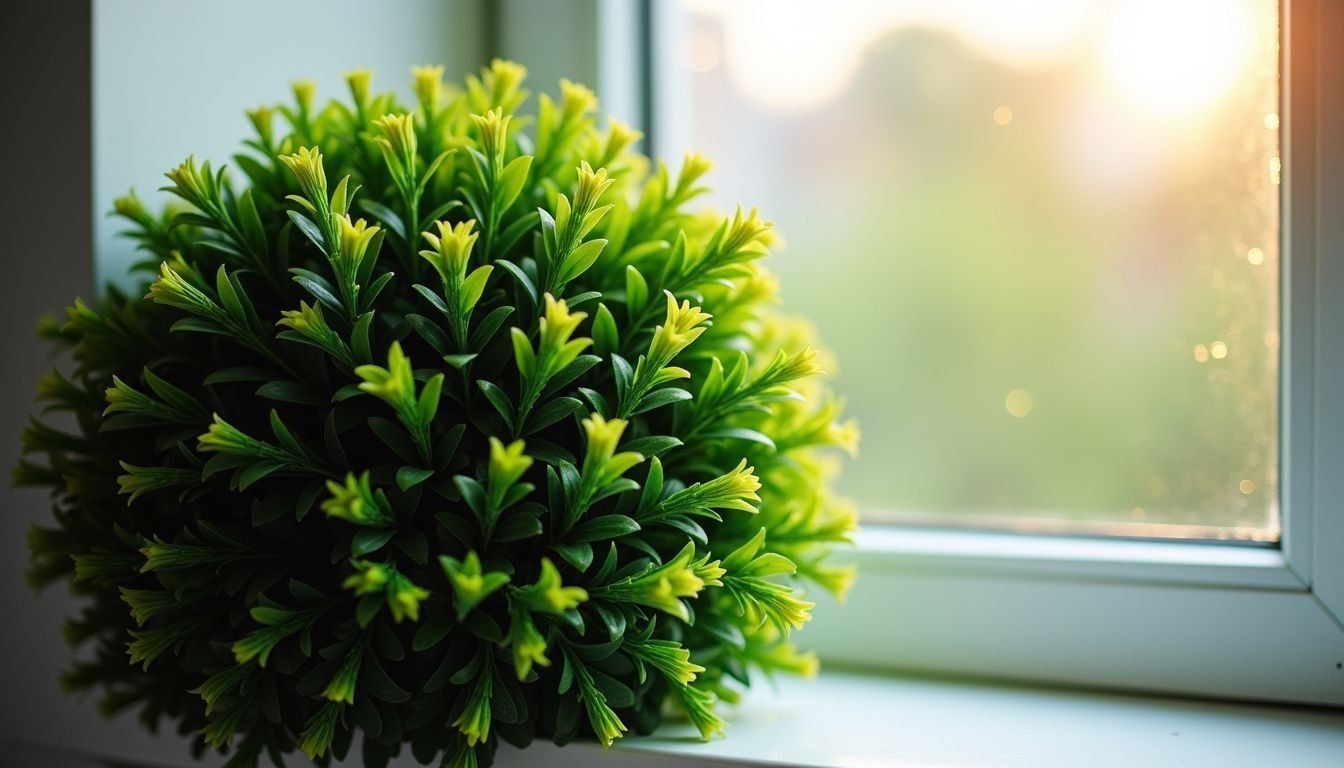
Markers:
<point>172,78</point>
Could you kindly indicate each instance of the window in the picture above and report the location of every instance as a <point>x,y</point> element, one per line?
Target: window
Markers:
<point>1255,621</point>
<point>1063,217</point>
<point>1148,613</point>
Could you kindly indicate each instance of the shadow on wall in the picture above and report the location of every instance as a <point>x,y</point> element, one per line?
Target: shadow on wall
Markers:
<point>46,198</point>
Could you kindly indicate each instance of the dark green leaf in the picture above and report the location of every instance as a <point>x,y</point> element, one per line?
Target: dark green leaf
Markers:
<point>506,686</point>
<point>624,373</point>
<point>570,372</point>
<point>503,406</point>
<point>458,526</point>
<point>413,544</point>
<point>594,652</point>
<point>394,436</point>
<point>502,706</point>
<point>346,392</point>
<point>578,555</point>
<point>200,325</point>
<point>447,446</point>
<point>566,676</point>
<point>359,338</point>
<point>309,229</point>
<point>687,526</point>
<point>608,565</point>
<point>174,396</point>
<point>488,326</point>
<point>596,401</point>
<point>660,397</point>
<point>433,297</point>
<point>602,528</point>
<point>306,499</point>
<point>258,471</point>
<point>552,412</point>
<point>521,278</point>
<point>582,298</point>
<point>722,629</point>
<point>651,445</point>
<point>374,679</point>
<point>387,643</point>
<point>369,540</point>
<point>318,288</point>
<point>618,694</point>
<point>606,339</point>
<point>653,486</point>
<point>239,373</point>
<point>484,626</point>
<point>438,213</point>
<point>515,231</point>
<point>290,392</point>
<point>331,441</point>
<point>468,671</point>
<point>368,607</point>
<point>619,485</point>
<point>515,527</point>
<point>409,477</point>
<point>567,719</point>
<point>430,332</point>
<point>612,618</point>
<point>386,215</point>
<point>741,433</point>
<point>472,493</point>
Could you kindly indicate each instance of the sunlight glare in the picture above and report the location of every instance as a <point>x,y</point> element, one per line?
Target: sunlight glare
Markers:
<point>792,56</point>
<point>801,59</point>
<point>1176,59</point>
<point>1026,34</point>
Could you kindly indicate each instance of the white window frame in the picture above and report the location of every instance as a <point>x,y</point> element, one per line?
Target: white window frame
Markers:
<point>1184,618</point>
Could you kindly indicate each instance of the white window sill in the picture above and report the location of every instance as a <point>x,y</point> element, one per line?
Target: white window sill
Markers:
<point>843,720</point>
<point>858,721</point>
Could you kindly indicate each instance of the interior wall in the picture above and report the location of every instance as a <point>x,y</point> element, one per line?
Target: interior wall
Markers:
<point>45,196</point>
<point>172,78</point>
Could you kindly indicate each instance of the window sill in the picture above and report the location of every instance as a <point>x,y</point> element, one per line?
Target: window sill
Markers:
<point>856,721</point>
<point>1115,560</point>
<point>867,721</point>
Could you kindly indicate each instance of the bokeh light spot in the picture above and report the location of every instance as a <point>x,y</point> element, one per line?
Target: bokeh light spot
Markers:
<point>1018,403</point>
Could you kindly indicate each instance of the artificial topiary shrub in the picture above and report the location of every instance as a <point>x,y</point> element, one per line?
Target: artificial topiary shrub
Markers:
<point>435,433</point>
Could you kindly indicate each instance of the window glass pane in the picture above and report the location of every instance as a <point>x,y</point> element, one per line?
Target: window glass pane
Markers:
<point>1041,239</point>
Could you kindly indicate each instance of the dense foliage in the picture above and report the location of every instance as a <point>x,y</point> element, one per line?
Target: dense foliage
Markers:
<point>555,522</point>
